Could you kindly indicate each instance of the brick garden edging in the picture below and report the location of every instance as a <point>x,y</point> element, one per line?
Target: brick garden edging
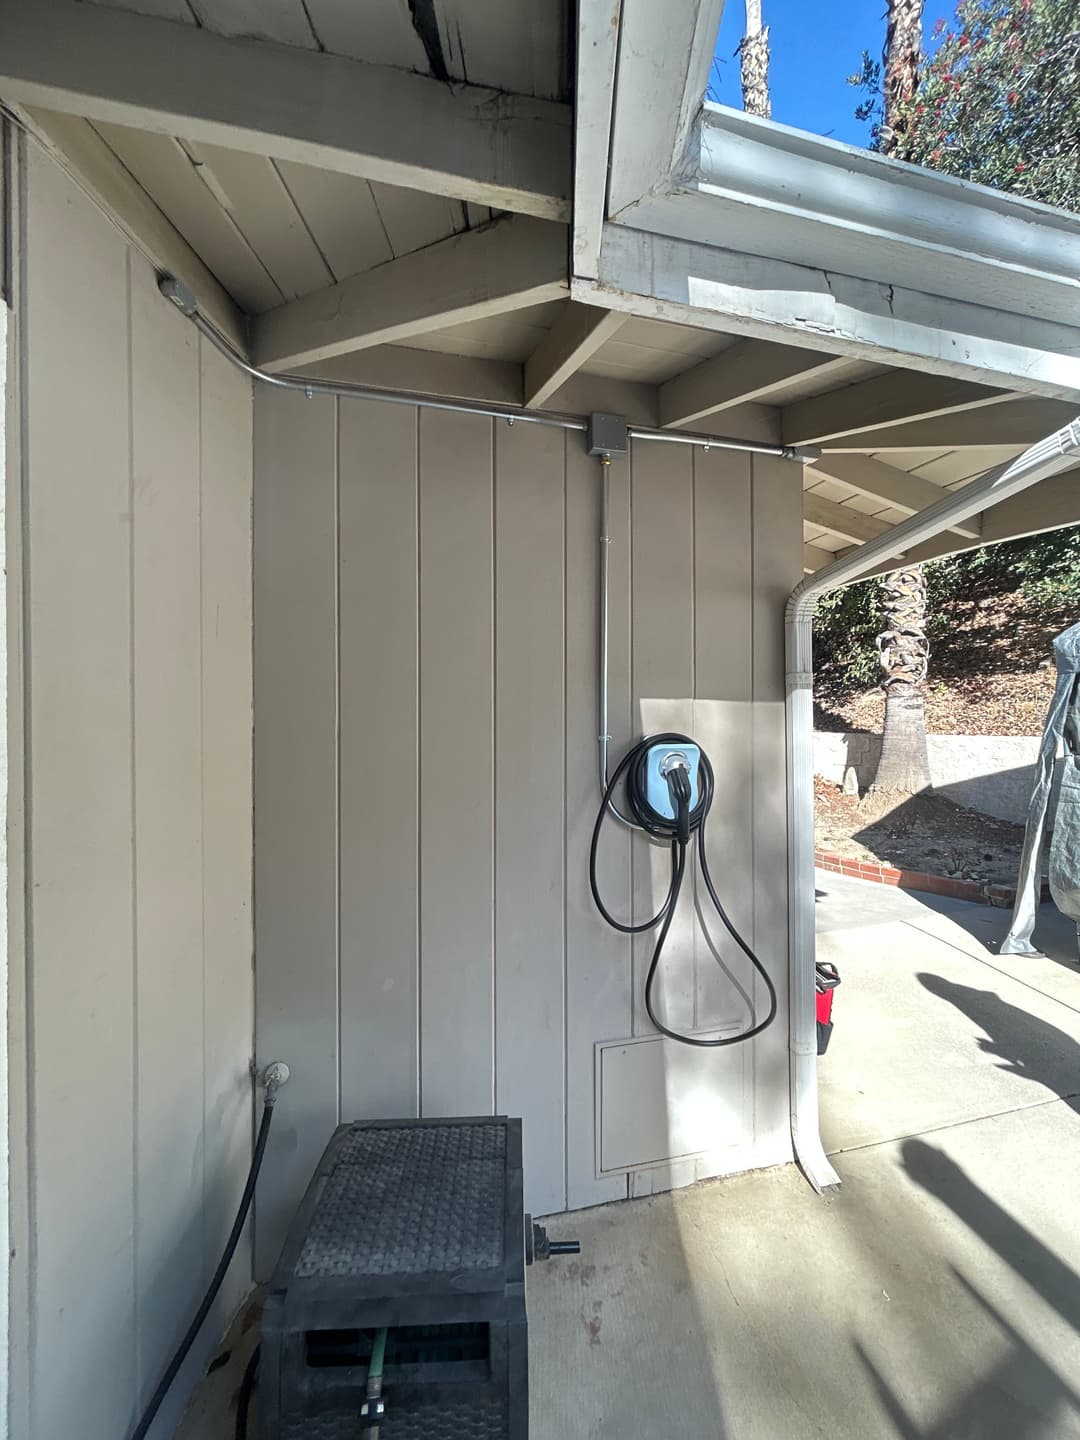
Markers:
<point>998,895</point>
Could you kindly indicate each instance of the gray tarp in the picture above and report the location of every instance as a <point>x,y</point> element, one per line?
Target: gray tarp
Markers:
<point>1062,723</point>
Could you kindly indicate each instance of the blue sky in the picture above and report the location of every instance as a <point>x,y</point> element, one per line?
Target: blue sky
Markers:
<point>815,45</point>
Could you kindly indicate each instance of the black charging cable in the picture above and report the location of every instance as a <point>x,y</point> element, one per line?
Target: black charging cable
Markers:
<point>689,819</point>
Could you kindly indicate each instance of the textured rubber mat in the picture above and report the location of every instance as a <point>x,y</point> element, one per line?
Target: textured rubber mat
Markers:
<point>410,1201</point>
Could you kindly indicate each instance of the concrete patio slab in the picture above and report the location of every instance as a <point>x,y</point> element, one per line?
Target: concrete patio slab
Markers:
<point>932,1296</point>
<point>935,1296</point>
<point>932,1030</point>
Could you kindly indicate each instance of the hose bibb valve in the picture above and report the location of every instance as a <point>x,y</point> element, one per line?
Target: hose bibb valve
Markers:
<point>539,1245</point>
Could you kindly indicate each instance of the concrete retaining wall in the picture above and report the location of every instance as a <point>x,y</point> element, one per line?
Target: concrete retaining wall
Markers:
<point>989,773</point>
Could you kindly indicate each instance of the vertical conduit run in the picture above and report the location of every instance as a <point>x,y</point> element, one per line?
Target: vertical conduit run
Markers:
<point>604,738</point>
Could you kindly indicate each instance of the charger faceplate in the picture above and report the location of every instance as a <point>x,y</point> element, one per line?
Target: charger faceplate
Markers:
<point>658,761</point>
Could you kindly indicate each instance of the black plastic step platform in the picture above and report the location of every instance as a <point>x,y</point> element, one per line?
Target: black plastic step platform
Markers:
<point>416,1226</point>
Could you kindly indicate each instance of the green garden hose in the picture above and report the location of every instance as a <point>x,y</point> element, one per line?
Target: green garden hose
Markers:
<point>373,1407</point>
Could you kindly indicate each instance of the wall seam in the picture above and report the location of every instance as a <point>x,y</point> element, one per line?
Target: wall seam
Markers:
<point>337,737</point>
<point>632,854</point>
<point>253,1038</point>
<point>136,1307</point>
<point>7,213</point>
<point>752,1058</point>
<point>202,762</point>
<point>693,578</point>
<point>627,606</point>
<point>493,654</point>
<point>694,864</point>
<point>419,758</point>
<point>565,1118</point>
<point>30,1267</point>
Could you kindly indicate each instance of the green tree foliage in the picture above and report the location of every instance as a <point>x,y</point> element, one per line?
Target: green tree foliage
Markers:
<point>1043,569</point>
<point>846,625</point>
<point>997,103</point>
<point>998,100</point>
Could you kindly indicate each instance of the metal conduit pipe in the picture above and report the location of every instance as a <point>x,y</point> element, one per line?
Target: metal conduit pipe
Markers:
<point>1057,452</point>
<point>187,303</point>
<point>602,678</point>
<point>1050,456</point>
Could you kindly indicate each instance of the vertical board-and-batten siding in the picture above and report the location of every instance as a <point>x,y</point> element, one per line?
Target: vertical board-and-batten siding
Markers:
<point>134,1107</point>
<point>426,590</point>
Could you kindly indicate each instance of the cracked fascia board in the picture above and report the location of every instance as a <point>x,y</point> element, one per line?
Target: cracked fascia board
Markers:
<point>772,192</point>
<point>660,277</point>
<point>756,227</point>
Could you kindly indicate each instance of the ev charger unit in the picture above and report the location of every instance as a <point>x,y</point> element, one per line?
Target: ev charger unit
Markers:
<point>669,792</point>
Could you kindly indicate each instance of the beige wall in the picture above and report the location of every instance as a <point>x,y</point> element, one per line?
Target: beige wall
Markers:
<point>131,716</point>
<point>425,673</point>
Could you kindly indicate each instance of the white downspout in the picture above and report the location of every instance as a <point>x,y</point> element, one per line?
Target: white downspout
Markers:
<point>1048,457</point>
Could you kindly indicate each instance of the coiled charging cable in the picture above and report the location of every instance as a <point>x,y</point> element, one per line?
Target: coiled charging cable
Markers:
<point>687,821</point>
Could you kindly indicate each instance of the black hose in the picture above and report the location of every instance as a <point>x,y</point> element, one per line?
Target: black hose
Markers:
<point>659,827</point>
<point>243,1400</point>
<point>150,1413</point>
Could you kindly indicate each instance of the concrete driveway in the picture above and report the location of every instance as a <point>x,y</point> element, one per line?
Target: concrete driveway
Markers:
<point>936,1295</point>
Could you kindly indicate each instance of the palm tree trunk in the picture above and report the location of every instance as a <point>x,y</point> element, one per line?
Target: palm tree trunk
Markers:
<point>904,764</point>
<point>754,62</point>
<point>902,645</point>
<point>900,69</point>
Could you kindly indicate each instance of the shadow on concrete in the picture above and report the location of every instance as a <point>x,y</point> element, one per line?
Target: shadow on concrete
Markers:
<point>1028,1046</point>
<point>1055,934</point>
<point>1021,1396</point>
<point>1033,1261</point>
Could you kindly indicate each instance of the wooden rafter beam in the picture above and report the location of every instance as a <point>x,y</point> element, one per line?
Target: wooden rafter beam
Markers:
<point>749,370</point>
<point>815,558</point>
<point>425,372</point>
<point>577,333</point>
<point>893,399</point>
<point>1052,504</point>
<point>475,144</point>
<point>1012,422</point>
<point>886,483</point>
<point>513,262</point>
<point>842,520</point>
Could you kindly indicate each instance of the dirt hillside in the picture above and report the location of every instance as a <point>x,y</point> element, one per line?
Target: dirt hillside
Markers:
<point>992,673</point>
